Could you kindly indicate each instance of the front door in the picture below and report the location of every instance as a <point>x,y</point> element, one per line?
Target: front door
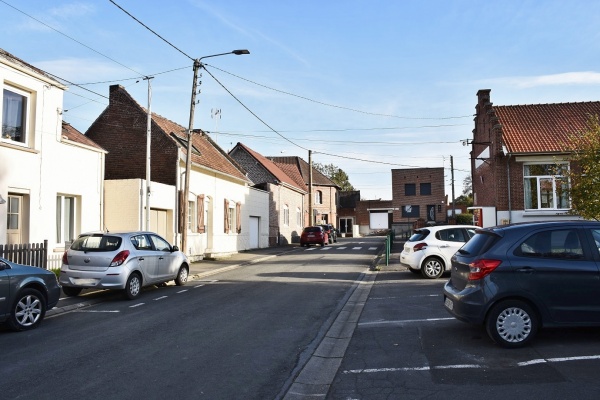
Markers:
<point>14,219</point>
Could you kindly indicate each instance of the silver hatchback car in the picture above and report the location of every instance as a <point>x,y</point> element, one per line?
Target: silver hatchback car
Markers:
<point>121,260</point>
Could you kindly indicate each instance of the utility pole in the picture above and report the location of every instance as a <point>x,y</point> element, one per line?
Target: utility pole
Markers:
<point>148,158</point>
<point>310,191</point>
<point>452,175</point>
<point>188,160</point>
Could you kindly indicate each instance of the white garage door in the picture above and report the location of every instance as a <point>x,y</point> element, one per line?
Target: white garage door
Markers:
<point>378,220</point>
<point>254,232</point>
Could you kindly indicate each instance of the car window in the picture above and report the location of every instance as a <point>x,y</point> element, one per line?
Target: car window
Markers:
<point>596,236</point>
<point>160,244</point>
<point>562,243</point>
<point>451,235</point>
<point>470,233</point>
<point>421,234</point>
<point>313,229</point>
<point>141,242</point>
<point>96,243</point>
<point>479,244</point>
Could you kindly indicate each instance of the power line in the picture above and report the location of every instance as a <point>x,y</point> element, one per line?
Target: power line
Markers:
<point>336,106</point>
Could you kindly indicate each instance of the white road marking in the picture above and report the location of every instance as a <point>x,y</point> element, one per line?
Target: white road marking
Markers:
<point>99,311</point>
<point>372,248</point>
<point>470,366</point>
<point>356,248</point>
<point>342,248</point>
<point>182,291</point>
<point>197,286</point>
<point>327,248</point>
<point>160,298</point>
<point>405,321</point>
<point>137,305</point>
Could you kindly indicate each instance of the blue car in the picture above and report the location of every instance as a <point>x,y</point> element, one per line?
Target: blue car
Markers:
<point>515,279</point>
<point>26,293</point>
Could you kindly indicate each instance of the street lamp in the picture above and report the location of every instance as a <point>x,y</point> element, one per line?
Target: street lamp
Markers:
<point>188,161</point>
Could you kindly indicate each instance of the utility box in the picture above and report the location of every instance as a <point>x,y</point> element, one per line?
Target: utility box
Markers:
<point>484,216</point>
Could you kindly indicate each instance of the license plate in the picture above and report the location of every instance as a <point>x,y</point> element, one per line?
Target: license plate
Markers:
<point>449,304</point>
<point>84,282</point>
<point>311,235</point>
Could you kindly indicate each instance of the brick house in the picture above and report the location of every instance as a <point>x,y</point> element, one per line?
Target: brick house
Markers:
<point>225,215</point>
<point>324,194</point>
<point>51,175</point>
<point>418,194</point>
<point>286,197</point>
<point>347,218</point>
<point>515,152</point>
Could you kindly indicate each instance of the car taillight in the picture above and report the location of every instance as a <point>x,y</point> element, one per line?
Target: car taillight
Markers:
<point>65,259</point>
<point>419,246</point>
<point>481,268</point>
<point>119,258</point>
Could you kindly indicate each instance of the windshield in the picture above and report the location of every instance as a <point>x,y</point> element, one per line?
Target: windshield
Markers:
<point>97,243</point>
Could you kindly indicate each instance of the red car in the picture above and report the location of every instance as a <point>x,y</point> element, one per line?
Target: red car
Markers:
<point>314,235</point>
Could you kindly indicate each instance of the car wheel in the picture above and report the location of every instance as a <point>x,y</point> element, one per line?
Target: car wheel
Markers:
<point>432,268</point>
<point>330,241</point>
<point>182,276</point>
<point>133,287</point>
<point>324,243</point>
<point>71,291</point>
<point>512,323</point>
<point>28,310</point>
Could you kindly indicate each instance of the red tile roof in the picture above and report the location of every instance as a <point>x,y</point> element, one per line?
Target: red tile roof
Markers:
<point>543,128</point>
<point>298,169</point>
<point>209,155</point>
<point>74,135</point>
<point>277,172</point>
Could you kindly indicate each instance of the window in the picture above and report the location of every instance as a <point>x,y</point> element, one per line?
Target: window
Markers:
<point>451,235</point>
<point>545,186</point>
<point>318,197</point>
<point>14,115</point>
<point>298,216</point>
<point>286,215</point>
<point>410,211</point>
<point>230,216</point>
<point>552,244</point>
<point>425,189</point>
<point>410,189</point>
<point>191,216</point>
<point>65,218</point>
<point>14,212</point>
<point>159,243</point>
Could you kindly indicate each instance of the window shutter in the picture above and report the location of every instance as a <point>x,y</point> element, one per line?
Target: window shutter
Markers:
<point>226,213</point>
<point>200,206</point>
<point>238,217</point>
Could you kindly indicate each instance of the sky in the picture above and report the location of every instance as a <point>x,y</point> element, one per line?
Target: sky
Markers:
<point>368,86</point>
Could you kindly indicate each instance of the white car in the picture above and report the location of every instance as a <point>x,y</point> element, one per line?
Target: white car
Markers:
<point>430,249</point>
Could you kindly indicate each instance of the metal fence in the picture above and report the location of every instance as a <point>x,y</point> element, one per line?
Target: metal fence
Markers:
<point>34,254</point>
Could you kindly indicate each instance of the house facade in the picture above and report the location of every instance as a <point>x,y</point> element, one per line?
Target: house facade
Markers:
<point>517,156</point>
<point>324,190</point>
<point>418,194</point>
<point>51,175</point>
<point>225,214</point>
<point>286,197</point>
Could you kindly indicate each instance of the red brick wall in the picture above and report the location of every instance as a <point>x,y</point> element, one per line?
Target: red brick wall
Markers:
<point>434,176</point>
<point>121,129</point>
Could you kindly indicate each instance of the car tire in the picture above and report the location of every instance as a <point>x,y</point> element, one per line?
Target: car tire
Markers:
<point>71,291</point>
<point>182,276</point>
<point>28,310</point>
<point>512,323</point>
<point>324,243</point>
<point>432,268</point>
<point>133,287</point>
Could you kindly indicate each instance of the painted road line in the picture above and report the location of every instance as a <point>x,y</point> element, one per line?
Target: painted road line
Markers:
<point>405,321</point>
<point>182,291</point>
<point>372,248</point>
<point>356,248</point>
<point>137,305</point>
<point>99,311</point>
<point>342,248</point>
<point>160,298</point>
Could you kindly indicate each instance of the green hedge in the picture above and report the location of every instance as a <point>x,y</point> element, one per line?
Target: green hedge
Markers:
<point>464,219</point>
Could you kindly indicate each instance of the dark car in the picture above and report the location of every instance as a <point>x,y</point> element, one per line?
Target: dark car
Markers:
<point>313,235</point>
<point>515,279</point>
<point>26,293</point>
<point>331,232</point>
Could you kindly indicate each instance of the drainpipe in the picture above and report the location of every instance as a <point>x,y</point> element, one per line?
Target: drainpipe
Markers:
<point>505,151</point>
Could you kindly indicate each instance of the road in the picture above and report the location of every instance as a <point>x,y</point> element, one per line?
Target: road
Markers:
<point>241,334</point>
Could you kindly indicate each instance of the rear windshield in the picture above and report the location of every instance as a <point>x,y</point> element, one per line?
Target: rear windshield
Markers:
<point>97,243</point>
<point>421,234</point>
<point>313,229</point>
<point>479,244</point>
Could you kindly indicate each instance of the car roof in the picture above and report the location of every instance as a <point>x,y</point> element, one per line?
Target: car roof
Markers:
<point>436,228</point>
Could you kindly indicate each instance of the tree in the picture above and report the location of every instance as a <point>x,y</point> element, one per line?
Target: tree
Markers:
<point>467,186</point>
<point>338,176</point>
<point>584,173</point>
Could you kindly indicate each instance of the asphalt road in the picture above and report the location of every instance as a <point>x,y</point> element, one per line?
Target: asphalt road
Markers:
<point>242,334</point>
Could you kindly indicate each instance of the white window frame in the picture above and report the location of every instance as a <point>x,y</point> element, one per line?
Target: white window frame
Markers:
<point>25,117</point>
<point>66,218</point>
<point>553,180</point>
<point>191,216</point>
<point>286,215</point>
<point>298,216</point>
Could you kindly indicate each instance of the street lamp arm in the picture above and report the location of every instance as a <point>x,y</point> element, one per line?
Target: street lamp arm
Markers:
<point>236,52</point>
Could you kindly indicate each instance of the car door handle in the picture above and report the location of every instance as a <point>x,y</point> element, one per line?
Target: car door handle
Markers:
<point>161,258</point>
<point>141,258</point>
<point>526,270</point>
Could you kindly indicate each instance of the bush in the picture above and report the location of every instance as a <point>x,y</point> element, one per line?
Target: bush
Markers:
<point>464,219</point>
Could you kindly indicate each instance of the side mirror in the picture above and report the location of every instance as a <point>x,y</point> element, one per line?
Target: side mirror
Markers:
<point>174,248</point>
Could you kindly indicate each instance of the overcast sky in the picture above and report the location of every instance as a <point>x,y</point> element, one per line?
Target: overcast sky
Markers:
<point>368,86</point>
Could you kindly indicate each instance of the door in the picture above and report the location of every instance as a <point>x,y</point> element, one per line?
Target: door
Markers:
<point>167,266</point>
<point>254,232</point>
<point>14,219</point>
<point>147,256</point>
<point>158,222</point>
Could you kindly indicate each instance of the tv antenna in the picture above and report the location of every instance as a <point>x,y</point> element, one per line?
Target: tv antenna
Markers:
<point>215,113</point>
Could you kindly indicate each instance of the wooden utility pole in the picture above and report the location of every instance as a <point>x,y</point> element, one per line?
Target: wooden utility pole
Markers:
<point>310,191</point>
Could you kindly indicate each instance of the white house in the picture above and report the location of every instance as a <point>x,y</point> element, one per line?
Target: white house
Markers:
<point>51,176</point>
<point>225,214</point>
